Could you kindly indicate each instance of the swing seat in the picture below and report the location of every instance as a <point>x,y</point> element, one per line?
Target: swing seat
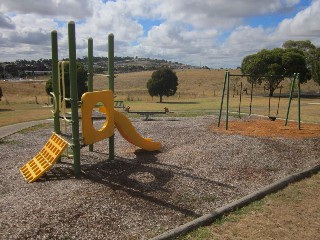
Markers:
<point>272,118</point>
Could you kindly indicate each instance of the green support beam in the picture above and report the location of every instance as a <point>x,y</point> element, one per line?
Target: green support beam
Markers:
<point>228,96</point>
<point>290,97</point>
<point>74,98</point>
<point>55,84</point>
<point>90,73</point>
<point>111,84</point>
<point>299,102</point>
<point>222,97</point>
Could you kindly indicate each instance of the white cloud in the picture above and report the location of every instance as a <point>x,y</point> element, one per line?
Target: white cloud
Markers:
<point>211,31</point>
<point>77,9</point>
<point>304,25</point>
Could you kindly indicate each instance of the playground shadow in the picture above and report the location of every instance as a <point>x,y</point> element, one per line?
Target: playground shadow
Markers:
<point>128,175</point>
<point>137,177</point>
<point>61,171</point>
<point>143,177</point>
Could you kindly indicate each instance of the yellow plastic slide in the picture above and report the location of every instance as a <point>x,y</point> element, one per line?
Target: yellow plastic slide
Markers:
<point>128,132</point>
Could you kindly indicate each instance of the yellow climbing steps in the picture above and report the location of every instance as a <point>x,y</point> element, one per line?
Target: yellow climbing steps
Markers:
<point>48,155</point>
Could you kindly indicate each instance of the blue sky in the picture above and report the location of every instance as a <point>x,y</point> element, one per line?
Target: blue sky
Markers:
<point>216,33</point>
<point>273,19</point>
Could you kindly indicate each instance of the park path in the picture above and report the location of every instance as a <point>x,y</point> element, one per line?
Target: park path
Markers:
<point>11,129</point>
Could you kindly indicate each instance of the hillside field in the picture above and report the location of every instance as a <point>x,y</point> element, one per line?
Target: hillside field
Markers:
<point>199,92</point>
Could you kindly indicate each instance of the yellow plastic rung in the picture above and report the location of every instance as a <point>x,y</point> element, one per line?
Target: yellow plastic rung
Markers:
<point>44,160</point>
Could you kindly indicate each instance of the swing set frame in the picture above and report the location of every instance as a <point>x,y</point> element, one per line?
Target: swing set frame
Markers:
<point>226,91</point>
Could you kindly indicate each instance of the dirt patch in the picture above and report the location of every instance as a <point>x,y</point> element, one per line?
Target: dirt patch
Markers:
<point>263,127</point>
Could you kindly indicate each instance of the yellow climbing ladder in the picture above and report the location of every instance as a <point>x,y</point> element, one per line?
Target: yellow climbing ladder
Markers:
<point>48,155</point>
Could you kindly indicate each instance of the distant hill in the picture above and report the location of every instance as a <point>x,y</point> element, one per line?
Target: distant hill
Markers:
<point>25,68</point>
<point>132,64</point>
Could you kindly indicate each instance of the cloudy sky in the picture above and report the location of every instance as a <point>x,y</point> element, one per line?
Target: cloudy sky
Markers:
<point>215,33</point>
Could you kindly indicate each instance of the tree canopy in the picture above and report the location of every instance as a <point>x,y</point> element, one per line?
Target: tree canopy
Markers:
<point>311,53</point>
<point>81,81</point>
<point>163,82</point>
<point>275,64</point>
<point>316,65</point>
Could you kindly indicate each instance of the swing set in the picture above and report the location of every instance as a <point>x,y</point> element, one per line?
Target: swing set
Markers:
<point>226,91</point>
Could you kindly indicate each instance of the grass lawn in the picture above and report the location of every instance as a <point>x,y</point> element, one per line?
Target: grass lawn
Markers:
<point>23,112</point>
<point>199,92</point>
<point>292,213</point>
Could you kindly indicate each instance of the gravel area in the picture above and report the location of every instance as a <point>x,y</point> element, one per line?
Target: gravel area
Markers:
<point>141,194</point>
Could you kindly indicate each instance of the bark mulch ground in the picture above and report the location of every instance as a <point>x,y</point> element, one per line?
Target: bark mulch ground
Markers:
<point>142,194</point>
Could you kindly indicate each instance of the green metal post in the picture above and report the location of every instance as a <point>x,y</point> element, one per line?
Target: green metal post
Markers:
<point>299,113</point>
<point>251,94</point>
<point>111,84</point>
<point>222,97</point>
<point>55,84</point>
<point>228,94</point>
<point>90,73</point>
<point>74,98</point>
<point>240,98</point>
<point>290,98</point>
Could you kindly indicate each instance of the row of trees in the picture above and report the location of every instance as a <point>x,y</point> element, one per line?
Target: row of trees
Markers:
<point>24,68</point>
<point>294,57</point>
<point>18,68</point>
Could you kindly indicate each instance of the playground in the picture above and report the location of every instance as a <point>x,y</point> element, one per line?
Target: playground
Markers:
<point>157,175</point>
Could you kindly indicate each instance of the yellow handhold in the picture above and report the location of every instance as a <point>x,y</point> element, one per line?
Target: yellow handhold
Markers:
<point>48,155</point>
<point>89,101</point>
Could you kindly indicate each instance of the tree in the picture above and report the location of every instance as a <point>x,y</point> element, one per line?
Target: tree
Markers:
<point>81,80</point>
<point>311,53</point>
<point>304,46</point>
<point>316,66</point>
<point>275,63</point>
<point>163,82</point>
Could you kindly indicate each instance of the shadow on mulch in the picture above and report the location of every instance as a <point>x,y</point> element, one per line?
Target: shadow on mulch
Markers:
<point>136,177</point>
<point>132,176</point>
<point>143,177</point>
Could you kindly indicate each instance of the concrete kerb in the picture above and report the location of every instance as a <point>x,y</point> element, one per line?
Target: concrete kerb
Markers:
<point>219,212</point>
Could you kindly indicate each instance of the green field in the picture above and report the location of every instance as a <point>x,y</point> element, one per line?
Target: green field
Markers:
<point>199,93</point>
